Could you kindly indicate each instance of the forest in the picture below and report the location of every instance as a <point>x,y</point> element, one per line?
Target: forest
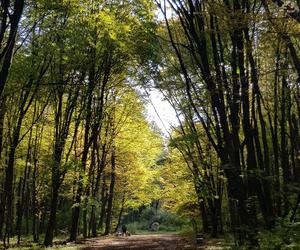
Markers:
<point>79,156</point>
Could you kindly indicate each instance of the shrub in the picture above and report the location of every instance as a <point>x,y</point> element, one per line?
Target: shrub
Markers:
<point>286,235</point>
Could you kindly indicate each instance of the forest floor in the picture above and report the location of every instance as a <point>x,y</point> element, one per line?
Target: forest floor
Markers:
<point>159,241</point>
<point>153,241</point>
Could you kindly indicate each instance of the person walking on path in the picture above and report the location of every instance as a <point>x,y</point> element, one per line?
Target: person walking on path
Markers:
<point>124,230</point>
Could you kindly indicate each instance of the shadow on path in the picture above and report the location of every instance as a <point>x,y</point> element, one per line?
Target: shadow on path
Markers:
<point>167,242</point>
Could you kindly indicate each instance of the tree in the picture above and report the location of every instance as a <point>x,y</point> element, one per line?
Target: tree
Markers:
<point>217,69</point>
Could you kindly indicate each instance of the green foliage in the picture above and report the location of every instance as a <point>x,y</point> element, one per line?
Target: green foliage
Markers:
<point>133,227</point>
<point>285,235</point>
<point>168,222</point>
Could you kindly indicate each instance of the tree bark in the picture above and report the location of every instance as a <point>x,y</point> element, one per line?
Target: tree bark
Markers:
<point>111,193</point>
<point>7,52</point>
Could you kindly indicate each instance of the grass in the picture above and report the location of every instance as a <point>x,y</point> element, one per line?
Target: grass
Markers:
<point>27,244</point>
<point>146,232</point>
<point>38,247</point>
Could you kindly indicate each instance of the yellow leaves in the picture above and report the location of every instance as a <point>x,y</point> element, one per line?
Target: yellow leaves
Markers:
<point>105,21</point>
<point>178,187</point>
<point>137,149</point>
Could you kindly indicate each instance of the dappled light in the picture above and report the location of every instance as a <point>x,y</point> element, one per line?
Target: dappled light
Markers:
<point>139,124</point>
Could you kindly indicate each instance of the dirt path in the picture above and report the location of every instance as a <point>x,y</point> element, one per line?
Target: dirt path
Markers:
<point>144,242</point>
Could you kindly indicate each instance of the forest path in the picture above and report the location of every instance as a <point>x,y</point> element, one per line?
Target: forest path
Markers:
<point>145,242</point>
<point>153,241</point>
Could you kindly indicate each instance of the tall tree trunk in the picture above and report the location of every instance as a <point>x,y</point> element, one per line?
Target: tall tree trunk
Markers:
<point>86,146</point>
<point>2,196</point>
<point>263,187</point>
<point>104,196</point>
<point>275,141</point>
<point>120,213</point>
<point>8,51</point>
<point>100,168</point>
<point>22,192</point>
<point>35,155</point>
<point>35,218</point>
<point>284,152</point>
<point>296,139</point>
<point>111,192</point>
<point>52,218</point>
<point>8,190</point>
<point>76,209</point>
<point>204,217</point>
<point>62,125</point>
<point>55,184</point>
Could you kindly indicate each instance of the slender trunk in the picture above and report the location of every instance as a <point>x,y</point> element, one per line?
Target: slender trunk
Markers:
<point>21,197</point>
<point>100,168</point>
<point>27,202</point>
<point>284,152</point>
<point>2,201</point>
<point>34,193</point>
<point>84,221</point>
<point>121,213</point>
<point>275,141</point>
<point>86,146</point>
<point>263,187</point>
<point>111,193</point>
<point>296,139</point>
<point>252,183</point>
<point>2,116</point>
<point>104,196</point>
<point>19,209</point>
<point>93,223</point>
<point>205,224</point>
<point>61,132</point>
<point>52,218</point>
<point>9,49</point>
<point>291,143</point>
<point>8,191</point>
<point>76,209</point>
<point>35,221</point>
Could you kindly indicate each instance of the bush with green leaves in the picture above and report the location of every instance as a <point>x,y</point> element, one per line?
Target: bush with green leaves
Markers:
<point>167,221</point>
<point>286,235</point>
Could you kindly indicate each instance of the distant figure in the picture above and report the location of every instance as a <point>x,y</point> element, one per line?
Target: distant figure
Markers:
<point>124,230</point>
<point>118,234</point>
<point>154,227</point>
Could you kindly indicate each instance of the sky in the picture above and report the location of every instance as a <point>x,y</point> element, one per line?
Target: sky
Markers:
<point>159,13</point>
<point>164,116</point>
<point>159,110</point>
